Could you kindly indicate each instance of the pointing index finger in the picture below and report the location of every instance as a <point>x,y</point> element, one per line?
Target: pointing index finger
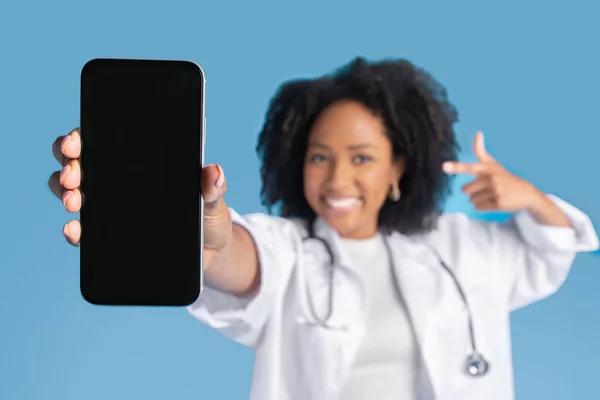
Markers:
<point>457,167</point>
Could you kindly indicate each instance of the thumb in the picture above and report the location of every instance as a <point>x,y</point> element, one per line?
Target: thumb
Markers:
<point>479,148</point>
<point>212,187</point>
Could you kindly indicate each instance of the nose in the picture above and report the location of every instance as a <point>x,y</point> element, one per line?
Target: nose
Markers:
<point>341,175</point>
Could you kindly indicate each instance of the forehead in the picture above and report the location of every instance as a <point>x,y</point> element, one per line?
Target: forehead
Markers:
<point>348,122</point>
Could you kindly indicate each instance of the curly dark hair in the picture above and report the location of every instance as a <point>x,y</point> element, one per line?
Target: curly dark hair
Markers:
<point>418,119</point>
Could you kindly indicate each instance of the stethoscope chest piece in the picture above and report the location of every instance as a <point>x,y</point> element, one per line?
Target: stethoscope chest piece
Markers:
<point>476,365</point>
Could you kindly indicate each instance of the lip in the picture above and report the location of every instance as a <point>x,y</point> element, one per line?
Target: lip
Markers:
<point>339,206</point>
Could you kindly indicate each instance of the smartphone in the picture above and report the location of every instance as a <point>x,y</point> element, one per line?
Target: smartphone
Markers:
<point>142,126</point>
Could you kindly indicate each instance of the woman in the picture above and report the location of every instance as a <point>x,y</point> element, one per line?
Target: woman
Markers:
<point>363,288</point>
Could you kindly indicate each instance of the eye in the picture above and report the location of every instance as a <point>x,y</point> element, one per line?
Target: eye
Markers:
<point>317,158</point>
<point>361,159</point>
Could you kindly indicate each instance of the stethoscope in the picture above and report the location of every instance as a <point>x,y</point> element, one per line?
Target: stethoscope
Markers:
<point>475,364</point>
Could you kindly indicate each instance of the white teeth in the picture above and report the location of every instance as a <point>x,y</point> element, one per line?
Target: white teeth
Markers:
<point>345,203</point>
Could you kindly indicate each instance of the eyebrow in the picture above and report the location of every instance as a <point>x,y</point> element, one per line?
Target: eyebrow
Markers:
<point>352,147</point>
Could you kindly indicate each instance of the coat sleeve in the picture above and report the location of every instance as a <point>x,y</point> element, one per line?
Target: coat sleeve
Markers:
<point>533,260</point>
<point>242,319</point>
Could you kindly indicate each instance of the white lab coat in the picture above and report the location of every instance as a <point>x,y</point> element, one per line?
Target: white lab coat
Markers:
<point>500,267</point>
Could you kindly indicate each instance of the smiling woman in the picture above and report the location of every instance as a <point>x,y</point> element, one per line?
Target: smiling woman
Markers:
<point>390,123</point>
<point>395,299</point>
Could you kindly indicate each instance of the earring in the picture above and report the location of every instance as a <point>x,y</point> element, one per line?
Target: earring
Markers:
<point>395,192</point>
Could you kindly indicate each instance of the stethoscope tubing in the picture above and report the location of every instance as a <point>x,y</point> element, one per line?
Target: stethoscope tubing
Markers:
<point>476,365</point>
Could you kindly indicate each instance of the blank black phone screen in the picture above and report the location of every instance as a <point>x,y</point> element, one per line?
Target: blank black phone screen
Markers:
<point>142,124</point>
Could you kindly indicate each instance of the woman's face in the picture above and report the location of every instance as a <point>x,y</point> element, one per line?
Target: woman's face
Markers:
<point>349,169</point>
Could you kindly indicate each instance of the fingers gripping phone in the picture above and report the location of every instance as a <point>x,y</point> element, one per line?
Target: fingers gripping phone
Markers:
<point>143,130</point>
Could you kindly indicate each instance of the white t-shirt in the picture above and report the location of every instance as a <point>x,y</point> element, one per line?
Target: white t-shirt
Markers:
<point>388,362</point>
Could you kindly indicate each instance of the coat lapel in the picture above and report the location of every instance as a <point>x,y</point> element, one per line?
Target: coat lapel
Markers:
<point>344,265</point>
<point>417,269</point>
<point>420,282</point>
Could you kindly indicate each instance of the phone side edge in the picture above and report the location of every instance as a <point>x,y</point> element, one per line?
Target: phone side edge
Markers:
<point>202,153</point>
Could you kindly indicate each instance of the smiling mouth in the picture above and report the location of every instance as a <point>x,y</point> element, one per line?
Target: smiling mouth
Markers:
<point>342,205</point>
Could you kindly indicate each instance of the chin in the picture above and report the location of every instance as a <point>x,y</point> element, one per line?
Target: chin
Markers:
<point>342,227</point>
<point>347,227</point>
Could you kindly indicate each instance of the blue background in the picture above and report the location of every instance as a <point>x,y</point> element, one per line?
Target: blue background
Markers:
<point>524,73</point>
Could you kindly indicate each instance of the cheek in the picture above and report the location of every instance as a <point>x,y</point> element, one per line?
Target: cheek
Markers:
<point>311,184</point>
<point>374,186</point>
